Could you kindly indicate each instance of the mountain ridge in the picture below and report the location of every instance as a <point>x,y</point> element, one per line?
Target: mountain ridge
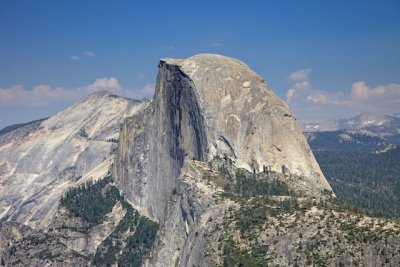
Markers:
<point>206,108</point>
<point>215,170</point>
<point>380,124</point>
<point>37,163</point>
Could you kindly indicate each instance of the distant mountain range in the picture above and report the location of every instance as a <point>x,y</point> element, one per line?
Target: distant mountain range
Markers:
<point>359,156</point>
<point>203,175</point>
<point>376,123</point>
<point>19,125</point>
<point>365,131</point>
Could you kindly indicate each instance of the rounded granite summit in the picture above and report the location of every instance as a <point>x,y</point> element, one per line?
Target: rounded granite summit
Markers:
<point>214,67</point>
<point>244,118</point>
<point>209,106</point>
<point>205,108</point>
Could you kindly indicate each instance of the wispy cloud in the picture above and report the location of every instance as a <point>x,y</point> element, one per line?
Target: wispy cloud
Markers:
<point>75,57</point>
<point>43,95</point>
<point>38,96</point>
<point>79,56</point>
<point>88,53</point>
<point>309,103</point>
<point>300,75</point>
<point>146,91</point>
<point>140,76</point>
<point>110,84</point>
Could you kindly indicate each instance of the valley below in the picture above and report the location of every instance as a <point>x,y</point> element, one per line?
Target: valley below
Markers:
<point>213,171</point>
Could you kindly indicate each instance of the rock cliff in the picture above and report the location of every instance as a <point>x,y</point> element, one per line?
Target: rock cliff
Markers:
<point>216,162</point>
<point>39,161</point>
<point>206,107</point>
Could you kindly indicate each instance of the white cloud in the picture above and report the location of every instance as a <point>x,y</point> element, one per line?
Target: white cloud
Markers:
<point>109,84</point>
<point>74,57</point>
<point>296,88</point>
<point>44,95</point>
<point>318,98</point>
<point>147,91</point>
<point>361,91</point>
<point>81,55</point>
<point>300,75</point>
<point>311,104</point>
<point>140,76</point>
<point>88,53</point>
<point>38,96</point>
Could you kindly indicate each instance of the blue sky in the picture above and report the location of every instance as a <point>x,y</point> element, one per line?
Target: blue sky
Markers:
<point>327,59</point>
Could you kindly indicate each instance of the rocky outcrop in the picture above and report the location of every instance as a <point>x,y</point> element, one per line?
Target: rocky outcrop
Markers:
<point>39,161</point>
<point>81,236</point>
<point>204,107</point>
<point>23,246</point>
<point>216,159</point>
<point>207,106</point>
<point>245,120</point>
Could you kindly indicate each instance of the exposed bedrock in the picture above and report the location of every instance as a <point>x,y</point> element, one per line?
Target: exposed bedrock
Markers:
<point>40,161</point>
<point>205,106</point>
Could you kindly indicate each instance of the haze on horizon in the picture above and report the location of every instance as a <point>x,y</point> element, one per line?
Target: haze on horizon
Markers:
<point>326,60</point>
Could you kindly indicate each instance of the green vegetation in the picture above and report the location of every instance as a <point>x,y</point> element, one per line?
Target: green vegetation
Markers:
<point>333,141</point>
<point>241,183</point>
<point>271,219</point>
<point>250,220</point>
<point>250,186</point>
<point>35,240</point>
<point>316,234</point>
<point>20,125</point>
<point>139,244</point>
<point>367,182</point>
<point>256,211</point>
<point>131,240</point>
<point>233,256</point>
<point>92,200</point>
<point>129,243</point>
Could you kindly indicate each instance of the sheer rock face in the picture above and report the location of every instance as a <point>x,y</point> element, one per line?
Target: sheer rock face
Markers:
<point>245,120</point>
<point>205,106</point>
<point>39,162</point>
<point>155,142</point>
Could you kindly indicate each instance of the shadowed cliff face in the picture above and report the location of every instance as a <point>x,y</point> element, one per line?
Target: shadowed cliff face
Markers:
<point>216,158</point>
<point>156,141</point>
<point>207,106</point>
<point>247,121</point>
<point>178,115</point>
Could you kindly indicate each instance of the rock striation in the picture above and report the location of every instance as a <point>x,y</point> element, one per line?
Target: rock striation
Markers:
<point>216,161</point>
<point>205,107</point>
<point>39,161</point>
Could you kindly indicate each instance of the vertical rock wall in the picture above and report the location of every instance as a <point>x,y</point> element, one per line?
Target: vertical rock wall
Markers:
<point>155,142</point>
<point>204,106</point>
